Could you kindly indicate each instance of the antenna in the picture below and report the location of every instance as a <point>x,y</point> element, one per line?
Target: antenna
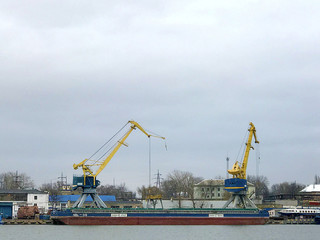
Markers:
<point>149,162</point>
<point>257,160</point>
<point>227,176</point>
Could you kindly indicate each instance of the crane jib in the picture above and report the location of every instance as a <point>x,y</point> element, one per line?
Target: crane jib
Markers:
<point>88,179</point>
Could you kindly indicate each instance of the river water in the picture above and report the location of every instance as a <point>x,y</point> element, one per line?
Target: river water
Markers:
<point>54,232</point>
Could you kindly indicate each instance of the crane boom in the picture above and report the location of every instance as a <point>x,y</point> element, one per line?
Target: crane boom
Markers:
<point>240,172</point>
<point>86,167</point>
<point>134,125</point>
<point>88,181</point>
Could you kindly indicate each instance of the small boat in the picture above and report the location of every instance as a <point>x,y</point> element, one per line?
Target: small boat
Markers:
<point>309,214</point>
<point>300,212</point>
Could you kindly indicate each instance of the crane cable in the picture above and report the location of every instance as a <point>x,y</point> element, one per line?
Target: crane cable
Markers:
<point>112,145</point>
<point>95,161</point>
<point>158,135</point>
<point>242,146</point>
<point>106,144</point>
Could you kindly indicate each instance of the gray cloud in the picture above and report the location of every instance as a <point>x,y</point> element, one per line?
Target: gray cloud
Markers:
<point>196,72</point>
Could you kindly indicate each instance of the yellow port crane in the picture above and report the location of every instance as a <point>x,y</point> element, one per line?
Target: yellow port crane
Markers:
<point>241,172</point>
<point>237,185</point>
<point>88,181</point>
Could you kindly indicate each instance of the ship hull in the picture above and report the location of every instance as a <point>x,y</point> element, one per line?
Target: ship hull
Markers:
<point>161,217</point>
<point>160,221</point>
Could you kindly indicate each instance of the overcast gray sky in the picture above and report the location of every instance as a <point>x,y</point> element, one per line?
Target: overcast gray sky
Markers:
<point>197,72</point>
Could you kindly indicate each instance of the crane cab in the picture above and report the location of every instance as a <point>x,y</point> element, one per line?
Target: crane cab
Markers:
<point>235,185</point>
<point>85,182</point>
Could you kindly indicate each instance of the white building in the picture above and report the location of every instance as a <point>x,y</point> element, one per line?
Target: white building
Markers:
<point>40,199</point>
<point>213,189</point>
<point>11,200</point>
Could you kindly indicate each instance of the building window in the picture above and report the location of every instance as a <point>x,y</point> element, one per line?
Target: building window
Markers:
<point>208,189</point>
<point>202,189</point>
<point>218,194</point>
<point>218,189</point>
<point>212,194</point>
<point>35,197</point>
<point>212,189</point>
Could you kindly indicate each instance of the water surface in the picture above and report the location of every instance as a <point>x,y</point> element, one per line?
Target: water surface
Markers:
<point>53,232</point>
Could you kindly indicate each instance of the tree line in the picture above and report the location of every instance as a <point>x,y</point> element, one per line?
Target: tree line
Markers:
<point>15,180</point>
<point>176,185</point>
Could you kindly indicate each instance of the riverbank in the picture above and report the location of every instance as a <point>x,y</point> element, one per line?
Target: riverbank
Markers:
<point>271,221</point>
<point>26,222</point>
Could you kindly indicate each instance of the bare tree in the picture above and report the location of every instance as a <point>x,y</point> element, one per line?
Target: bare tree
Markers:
<point>261,184</point>
<point>286,188</point>
<point>145,191</point>
<point>219,177</point>
<point>179,184</point>
<point>316,179</point>
<point>15,180</point>
<point>119,191</point>
<point>54,190</point>
<point>51,188</point>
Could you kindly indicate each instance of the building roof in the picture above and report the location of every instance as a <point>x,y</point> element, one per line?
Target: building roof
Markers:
<point>21,191</point>
<point>73,198</point>
<point>214,182</point>
<point>210,182</point>
<point>125,202</point>
<point>311,188</point>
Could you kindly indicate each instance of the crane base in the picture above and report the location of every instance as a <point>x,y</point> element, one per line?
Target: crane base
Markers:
<point>240,200</point>
<point>96,200</point>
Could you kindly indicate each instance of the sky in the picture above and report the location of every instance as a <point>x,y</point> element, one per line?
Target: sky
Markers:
<point>196,72</point>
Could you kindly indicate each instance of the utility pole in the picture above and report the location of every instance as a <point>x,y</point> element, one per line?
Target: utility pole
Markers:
<point>62,181</point>
<point>158,180</point>
<point>17,181</point>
